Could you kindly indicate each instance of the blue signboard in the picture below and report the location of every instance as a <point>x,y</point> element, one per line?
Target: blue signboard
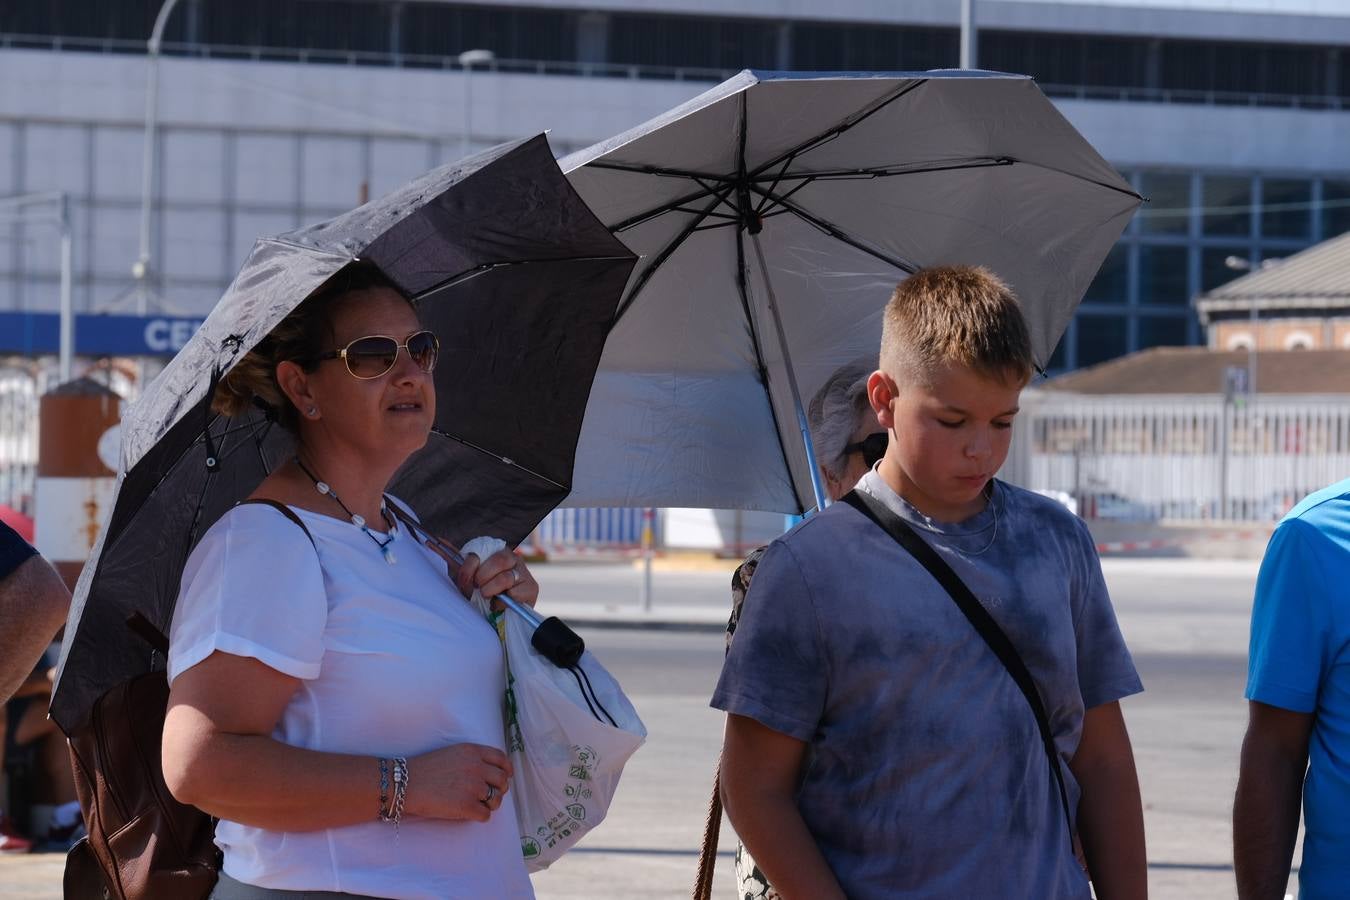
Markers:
<point>34,333</point>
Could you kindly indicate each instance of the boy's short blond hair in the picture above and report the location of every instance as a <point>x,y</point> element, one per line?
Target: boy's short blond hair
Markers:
<point>962,315</point>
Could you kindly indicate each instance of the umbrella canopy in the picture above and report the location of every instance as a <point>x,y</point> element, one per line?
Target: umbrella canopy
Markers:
<point>509,268</point>
<point>775,214</point>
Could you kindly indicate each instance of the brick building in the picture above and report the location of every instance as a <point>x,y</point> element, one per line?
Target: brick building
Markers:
<point>1298,303</point>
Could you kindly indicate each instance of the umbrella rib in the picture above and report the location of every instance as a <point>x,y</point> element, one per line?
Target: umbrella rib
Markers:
<point>657,170</point>
<point>774,185</point>
<point>838,233</point>
<point>831,134</point>
<point>1104,184</point>
<point>646,274</point>
<point>655,211</point>
<point>743,288</point>
<point>771,199</point>
<point>973,162</point>
<point>456,280</point>
<point>499,457</point>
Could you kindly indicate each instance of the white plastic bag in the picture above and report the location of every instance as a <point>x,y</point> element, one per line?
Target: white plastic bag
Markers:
<point>566,753</point>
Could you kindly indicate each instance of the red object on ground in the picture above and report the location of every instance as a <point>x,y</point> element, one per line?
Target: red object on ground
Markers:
<point>18,521</point>
<point>10,839</point>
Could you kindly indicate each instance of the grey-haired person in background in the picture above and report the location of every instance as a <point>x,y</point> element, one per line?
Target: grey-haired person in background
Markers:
<point>848,442</point>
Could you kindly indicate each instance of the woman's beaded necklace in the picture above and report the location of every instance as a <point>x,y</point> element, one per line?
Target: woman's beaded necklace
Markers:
<point>323,488</point>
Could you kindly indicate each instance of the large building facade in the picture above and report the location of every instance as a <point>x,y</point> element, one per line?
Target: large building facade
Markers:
<point>276,113</point>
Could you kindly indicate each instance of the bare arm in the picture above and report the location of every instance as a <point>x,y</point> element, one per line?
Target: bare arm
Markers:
<point>219,756</point>
<point>33,606</point>
<point>1110,813</point>
<point>1269,795</point>
<point>760,770</point>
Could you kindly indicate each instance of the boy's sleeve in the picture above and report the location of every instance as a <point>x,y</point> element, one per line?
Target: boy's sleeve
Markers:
<point>1290,620</point>
<point>1106,671</point>
<point>775,671</point>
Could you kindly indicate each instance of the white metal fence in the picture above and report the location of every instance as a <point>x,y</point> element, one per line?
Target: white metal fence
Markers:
<point>21,384</point>
<point>1188,458</point>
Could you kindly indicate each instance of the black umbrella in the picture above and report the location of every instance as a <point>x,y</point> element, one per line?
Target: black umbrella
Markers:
<point>512,271</point>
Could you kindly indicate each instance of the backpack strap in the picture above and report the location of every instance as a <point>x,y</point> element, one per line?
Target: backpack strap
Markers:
<point>978,616</point>
<point>285,511</point>
<point>147,631</point>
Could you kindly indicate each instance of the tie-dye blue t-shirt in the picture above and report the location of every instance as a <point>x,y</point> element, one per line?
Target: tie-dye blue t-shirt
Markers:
<point>925,775</point>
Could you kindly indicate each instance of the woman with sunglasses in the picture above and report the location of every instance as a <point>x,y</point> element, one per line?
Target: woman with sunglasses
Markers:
<point>334,700</point>
<point>848,441</point>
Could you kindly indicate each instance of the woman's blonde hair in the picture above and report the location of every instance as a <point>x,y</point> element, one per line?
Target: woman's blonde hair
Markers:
<point>301,337</point>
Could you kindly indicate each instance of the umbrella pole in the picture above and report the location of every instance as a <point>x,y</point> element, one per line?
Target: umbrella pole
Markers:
<point>817,486</point>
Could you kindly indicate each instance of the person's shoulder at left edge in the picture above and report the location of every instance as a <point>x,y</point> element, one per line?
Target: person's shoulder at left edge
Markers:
<point>14,550</point>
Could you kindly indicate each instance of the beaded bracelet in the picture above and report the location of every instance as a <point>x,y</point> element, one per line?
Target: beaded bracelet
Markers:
<point>400,790</point>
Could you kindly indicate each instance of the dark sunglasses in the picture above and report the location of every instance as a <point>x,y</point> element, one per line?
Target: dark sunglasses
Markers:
<point>872,448</point>
<point>374,355</point>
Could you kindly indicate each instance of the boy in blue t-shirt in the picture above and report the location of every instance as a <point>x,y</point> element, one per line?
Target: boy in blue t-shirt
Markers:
<point>1298,687</point>
<point>875,746</point>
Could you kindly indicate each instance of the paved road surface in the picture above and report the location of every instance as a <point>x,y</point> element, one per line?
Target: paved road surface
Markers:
<point>1186,621</point>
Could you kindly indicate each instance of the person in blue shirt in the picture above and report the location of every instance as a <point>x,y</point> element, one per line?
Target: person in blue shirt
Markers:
<point>1297,745</point>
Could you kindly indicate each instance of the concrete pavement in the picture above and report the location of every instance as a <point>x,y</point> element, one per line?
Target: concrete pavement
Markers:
<point>1185,621</point>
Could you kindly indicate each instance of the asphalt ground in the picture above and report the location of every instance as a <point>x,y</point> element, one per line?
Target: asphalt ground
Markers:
<point>1186,623</point>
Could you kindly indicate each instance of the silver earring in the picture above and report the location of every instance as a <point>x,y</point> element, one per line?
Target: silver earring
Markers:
<point>312,412</point>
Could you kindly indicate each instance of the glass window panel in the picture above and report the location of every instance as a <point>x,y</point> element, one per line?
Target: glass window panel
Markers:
<point>1058,359</point>
<point>1168,210</point>
<point>40,252</point>
<point>247,227</point>
<point>830,47</point>
<point>1187,66</point>
<point>193,166</point>
<point>440,29</point>
<point>1112,284</point>
<point>1214,268</point>
<point>193,299</point>
<point>125,19</point>
<point>1286,207</point>
<point>332,173</point>
<point>116,243</point>
<point>312,24</point>
<point>1227,200</point>
<point>695,41</point>
<point>1101,338</point>
<point>1335,207</point>
<point>193,244</point>
<point>118,155</point>
<point>1162,276</point>
<point>8,148</point>
<point>265,170</point>
<point>54,159</point>
<point>394,163</point>
<point>1163,331</point>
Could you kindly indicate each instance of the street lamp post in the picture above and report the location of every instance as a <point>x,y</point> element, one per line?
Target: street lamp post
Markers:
<point>969,41</point>
<point>141,269</point>
<point>20,209</point>
<point>467,60</point>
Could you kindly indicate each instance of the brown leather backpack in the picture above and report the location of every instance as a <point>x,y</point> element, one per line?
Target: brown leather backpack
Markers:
<point>145,844</point>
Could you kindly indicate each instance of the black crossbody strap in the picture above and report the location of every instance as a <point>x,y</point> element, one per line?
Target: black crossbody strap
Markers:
<point>979,617</point>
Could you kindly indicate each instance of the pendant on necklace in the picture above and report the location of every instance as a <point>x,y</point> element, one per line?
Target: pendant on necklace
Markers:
<point>388,554</point>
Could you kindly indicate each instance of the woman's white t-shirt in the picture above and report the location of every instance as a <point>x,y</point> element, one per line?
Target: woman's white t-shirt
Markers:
<point>392,662</point>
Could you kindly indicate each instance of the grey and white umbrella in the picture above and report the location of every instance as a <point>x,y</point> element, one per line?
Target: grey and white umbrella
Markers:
<point>774,215</point>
